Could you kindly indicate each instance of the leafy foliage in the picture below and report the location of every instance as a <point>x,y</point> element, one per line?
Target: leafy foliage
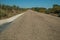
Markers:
<point>55,10</point>
<point>8,11</point>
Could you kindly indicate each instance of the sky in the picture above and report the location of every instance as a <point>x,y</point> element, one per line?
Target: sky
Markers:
<point>31,3</point>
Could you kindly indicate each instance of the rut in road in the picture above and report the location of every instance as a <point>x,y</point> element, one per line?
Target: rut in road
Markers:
<point>33,26</point>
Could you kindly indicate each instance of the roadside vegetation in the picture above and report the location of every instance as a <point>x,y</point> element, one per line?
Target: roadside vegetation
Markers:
<point>55,10</point>
<point>7,11</point>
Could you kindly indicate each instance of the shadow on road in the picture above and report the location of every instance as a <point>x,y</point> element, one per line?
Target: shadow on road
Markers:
<point>4,26</point>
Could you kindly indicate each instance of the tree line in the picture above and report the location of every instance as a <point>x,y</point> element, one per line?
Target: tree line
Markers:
<point>55,10</point>
<point>7,11</point>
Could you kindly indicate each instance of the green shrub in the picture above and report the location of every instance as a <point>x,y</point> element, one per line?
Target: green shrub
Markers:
<point>2,14</point>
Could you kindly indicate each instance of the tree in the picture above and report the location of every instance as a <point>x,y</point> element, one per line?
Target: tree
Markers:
<point>42,10</point>
<point>35,9</point>
<point>39,9</point>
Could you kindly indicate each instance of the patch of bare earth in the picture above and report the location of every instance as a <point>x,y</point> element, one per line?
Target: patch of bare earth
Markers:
<point>33,26</point>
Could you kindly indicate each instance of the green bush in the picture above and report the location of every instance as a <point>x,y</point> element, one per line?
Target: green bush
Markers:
<point>2,14</point>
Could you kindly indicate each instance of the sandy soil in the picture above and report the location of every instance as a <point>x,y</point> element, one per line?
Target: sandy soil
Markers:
<point>33,26</point>
<point>10,19</point>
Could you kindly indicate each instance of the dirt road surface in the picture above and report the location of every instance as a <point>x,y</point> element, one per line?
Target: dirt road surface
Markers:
<point>33,26</point>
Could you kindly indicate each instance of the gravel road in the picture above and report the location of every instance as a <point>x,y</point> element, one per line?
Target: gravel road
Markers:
<point>33,26</point>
